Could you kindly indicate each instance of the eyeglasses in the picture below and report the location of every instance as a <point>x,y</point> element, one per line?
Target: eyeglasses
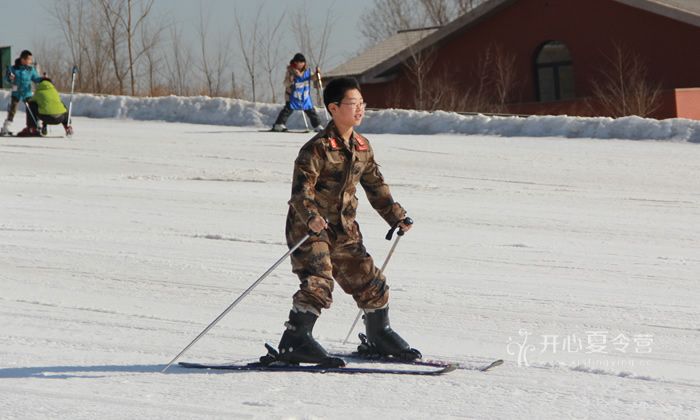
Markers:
<point>357,105</point>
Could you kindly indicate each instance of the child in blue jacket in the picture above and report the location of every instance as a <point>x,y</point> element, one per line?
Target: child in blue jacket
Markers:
<point>21,76</point>
<point>297,93</point>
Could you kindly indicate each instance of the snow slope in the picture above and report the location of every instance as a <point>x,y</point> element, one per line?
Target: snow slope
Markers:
<point>233,112</point>
<point>117,247</point>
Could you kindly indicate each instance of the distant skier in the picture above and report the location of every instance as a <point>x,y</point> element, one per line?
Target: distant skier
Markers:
<point>297,93</point>
<point>21,76</point>
<point>45,106</point>
<point>326,173</point>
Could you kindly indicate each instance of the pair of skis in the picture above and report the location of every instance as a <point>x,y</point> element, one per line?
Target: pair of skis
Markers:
<point>414,368</point>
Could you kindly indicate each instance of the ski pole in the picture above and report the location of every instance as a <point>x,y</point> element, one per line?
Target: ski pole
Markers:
<point>303,115</point>
<point>240,298</point>
<point>320,87</point>
<point>29,110</point>
<point>407,221</point>
<point>72,87</point>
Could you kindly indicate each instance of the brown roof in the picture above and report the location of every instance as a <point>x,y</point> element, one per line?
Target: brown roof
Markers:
<point>379,53</point>
<point>687,11</point>
<point>369,65</point>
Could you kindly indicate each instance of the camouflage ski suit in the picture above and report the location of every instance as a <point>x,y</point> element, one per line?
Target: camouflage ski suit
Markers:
<point>326,173</point>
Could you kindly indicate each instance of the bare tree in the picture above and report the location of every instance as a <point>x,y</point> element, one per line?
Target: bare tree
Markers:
<point>112,11</point>
<point>221,62</point>
<point>503,77</point>
<point>270,46</point>
<point>214,67</point>
<point>203,32</point>
<point>79,25</point>
<point>315,47</point>
<point>178,63</point>
<point>623,86</point>
<point>464,6</point>
<point>417,69</point>
<point>236,91</point>
<point>436,11</point>
<point>249,46</point>
<point>51,62</point>
<point>69,16</point>
<point>83,31</point>
<point>492,76</point>
<point>131,26</point>
<point>386,17</point>
<point>494,81</point>
<point>150,38</point>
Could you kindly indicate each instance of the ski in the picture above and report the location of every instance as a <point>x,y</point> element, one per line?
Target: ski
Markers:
<point>285,131</point>
<point>366,352</point>
<point>427,362</point>
<point>259,367</point>
<point>34,137</point>
<point>490,366</point>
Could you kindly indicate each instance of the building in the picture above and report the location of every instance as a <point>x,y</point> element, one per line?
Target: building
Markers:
<point>543,57</point>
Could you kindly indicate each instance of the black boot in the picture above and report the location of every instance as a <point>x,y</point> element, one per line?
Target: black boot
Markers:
<point>384,341</point>
<point>298,345</point>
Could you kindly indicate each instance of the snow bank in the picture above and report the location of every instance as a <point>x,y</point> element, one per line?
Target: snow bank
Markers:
<point>233,112</point>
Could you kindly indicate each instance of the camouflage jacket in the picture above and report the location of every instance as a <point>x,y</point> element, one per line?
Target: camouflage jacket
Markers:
<point>326,174</point>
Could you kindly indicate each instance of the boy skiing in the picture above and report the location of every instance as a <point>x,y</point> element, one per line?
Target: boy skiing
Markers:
<point>297,94</point>
<point>45,106</point>
<point>326,173</point>
<point>21,76</point>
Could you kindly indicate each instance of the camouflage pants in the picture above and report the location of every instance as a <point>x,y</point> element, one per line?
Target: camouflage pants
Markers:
<point>342,258</point>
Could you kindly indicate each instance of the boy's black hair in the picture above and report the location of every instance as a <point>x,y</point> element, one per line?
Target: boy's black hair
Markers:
<point>336,89</point>
<point>25,54</point>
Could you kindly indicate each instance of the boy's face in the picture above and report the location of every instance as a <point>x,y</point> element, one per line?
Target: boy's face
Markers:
<point>299,65</point>
<point>350,110</point>
<point>27,61</point>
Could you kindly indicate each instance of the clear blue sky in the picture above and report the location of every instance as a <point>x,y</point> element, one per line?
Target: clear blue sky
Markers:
<point>26,22</point>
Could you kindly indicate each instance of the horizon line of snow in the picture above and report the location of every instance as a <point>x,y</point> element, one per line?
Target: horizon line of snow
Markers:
<point>241,113</point>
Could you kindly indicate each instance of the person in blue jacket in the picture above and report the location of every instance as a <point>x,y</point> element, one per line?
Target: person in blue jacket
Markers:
<point>297,92</point>
<point>21,76</point>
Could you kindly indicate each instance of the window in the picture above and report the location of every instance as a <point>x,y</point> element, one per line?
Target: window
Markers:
<point>554,72</point>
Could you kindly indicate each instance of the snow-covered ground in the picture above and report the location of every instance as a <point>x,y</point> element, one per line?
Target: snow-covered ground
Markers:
<point>576,261</point>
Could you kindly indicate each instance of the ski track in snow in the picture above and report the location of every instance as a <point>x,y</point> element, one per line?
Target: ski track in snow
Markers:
<point>119,246</point>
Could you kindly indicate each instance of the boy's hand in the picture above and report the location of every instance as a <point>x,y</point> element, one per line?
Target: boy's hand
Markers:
<point>11,77</point>
<point>405,227</point>
<point>317,224</point>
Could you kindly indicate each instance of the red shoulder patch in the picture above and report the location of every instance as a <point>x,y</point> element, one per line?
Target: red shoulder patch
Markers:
<point>333,143</point>
<point>361,144</point>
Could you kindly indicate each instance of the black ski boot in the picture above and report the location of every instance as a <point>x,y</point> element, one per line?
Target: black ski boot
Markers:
<point>382,341</point>
<point>298,345</point>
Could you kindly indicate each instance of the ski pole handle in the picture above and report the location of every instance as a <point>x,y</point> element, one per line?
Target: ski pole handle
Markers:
<point>405,221</point>
<point>317,234</point>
